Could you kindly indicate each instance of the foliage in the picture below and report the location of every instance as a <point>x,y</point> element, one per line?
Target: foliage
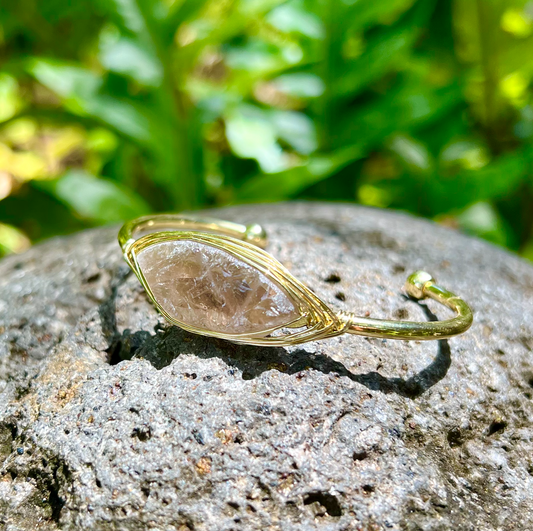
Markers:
<point>114,108</point>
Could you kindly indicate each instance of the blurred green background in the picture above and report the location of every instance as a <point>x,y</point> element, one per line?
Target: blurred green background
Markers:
<point>115,108</point>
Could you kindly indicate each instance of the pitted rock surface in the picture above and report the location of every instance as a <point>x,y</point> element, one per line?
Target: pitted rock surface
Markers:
<point>110,419</point>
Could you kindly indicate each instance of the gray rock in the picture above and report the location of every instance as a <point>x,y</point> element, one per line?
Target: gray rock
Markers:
<point>112,420</point>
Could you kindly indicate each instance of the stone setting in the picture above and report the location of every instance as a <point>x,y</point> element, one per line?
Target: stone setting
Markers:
<point>207,288</point>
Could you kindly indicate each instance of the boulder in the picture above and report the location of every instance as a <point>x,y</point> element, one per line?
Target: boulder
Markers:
<point>110,419</point>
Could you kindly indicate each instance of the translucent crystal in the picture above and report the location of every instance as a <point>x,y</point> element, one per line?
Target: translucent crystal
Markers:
<point>208,288</point>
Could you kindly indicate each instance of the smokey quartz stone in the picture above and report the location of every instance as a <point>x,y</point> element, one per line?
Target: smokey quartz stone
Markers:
<point>210,289</point>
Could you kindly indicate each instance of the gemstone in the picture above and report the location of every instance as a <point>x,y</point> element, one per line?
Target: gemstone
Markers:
<point>208,288</point>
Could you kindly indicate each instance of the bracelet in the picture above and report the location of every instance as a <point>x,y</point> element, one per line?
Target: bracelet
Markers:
<point>213,278</point>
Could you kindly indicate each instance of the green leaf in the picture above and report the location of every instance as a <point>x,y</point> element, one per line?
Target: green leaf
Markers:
<point>184,10</point>
<point>378,58</point>
<point>363,13</point>
<point>39,214</point>
<point>12,240</point>
<point>296,129</point>
<point>495,180</point>
<point>407,107</point>
<point>413,154</point>
<point>99,200</point>
<point>286,184</point>
<point>494,54</point>
<point>65,79</point>
<point>138,21</point>
<point>252,135</point>
<point>299,85</point>
<point>384,51</point>
<point>9,98</point>
<point>483,220</point>
<point>127,14</point>
<point>80,89</point>
<point>154,128</point>
<point>292,17</point>
<point>254,8</point>
<point>124,117</point>
<point>128,57</point>
<point>465,153</point>
<point>256,58</point>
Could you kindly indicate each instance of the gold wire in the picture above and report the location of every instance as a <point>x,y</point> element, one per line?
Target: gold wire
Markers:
<point>317,320</point>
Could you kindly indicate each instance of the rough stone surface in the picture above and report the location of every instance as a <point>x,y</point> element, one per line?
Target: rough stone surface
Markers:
<point>112,420</point>
<point>209,288</point>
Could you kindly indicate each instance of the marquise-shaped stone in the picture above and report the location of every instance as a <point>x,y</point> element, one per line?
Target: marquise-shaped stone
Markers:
<point>205,287</point>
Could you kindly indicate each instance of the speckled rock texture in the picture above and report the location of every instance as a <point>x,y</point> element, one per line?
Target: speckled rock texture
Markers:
<point>112,420</point>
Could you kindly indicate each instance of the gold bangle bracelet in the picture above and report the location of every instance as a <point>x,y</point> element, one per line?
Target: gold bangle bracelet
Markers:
<point>213,278</point>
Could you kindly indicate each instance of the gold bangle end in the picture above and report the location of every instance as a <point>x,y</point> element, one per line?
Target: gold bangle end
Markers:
<point>416,284</point>
<point>256,235</point>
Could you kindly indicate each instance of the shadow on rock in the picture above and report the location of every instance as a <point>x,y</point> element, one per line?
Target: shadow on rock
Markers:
<point>163,347</point>
<point>253,361</point>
